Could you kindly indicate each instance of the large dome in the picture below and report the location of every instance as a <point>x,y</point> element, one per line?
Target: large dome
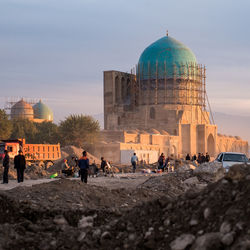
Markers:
<point>22,110</point>
<point>165,58</point>
<point>41,111</point>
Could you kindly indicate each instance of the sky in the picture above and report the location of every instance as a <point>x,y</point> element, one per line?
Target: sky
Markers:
<point>57,50</point>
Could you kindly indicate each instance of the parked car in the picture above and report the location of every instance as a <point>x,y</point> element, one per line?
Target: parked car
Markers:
<point>229,159</point>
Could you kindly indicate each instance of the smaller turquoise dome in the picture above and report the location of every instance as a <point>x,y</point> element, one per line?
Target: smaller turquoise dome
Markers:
<point>165,57</point>
<point>41,111</point>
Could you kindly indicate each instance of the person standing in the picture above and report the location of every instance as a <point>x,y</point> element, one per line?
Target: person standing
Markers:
<point>203,158</point>
<point>166,165</point>
<point>103,164</point>
<point>188,158</point>
<point>134,160</point>
<point>199,160</point>
<point>161,162</point>
<point>83,164</point>
<point>20,165</point>
<point>207,157</point>
<point>6,165</point>
<point>194,158</point>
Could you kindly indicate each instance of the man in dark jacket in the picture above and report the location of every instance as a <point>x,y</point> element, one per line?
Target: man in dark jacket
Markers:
<point>83,164</point>
<point>207,157</point>
<point>6,164</point>
<point>20,165</point>
<point>103,164</point>
<point>188,157</point>
<point>203,158</point>
<point>161,162</point>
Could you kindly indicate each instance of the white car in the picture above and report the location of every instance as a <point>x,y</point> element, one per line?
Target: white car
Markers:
<point>229,159</point>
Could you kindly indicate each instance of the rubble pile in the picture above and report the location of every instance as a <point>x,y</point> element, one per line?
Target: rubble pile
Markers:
<point>139,167</point>
<point>69,151</point>
<point>66,194</point>
<point>71,215</point>
<point>174,184</point>
<point>209,171</point>
<point>33,171</point>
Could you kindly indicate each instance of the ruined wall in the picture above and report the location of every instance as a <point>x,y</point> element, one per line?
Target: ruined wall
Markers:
<point>231,144</point>
<point>110,151</point>
<point>146,156</point>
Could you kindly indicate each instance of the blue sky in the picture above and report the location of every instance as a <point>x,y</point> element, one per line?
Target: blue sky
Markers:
<point>58,50</point>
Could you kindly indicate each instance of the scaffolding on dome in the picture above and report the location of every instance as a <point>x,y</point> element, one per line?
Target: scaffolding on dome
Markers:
<point>180,85</point>
<point>24,113</point>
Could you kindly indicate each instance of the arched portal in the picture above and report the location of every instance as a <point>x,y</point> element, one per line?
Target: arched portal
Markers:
<point>211,145</point>
<point>152,113</point>
<point>173,151</point>
<point>117,90</point>
<point>123,89</point>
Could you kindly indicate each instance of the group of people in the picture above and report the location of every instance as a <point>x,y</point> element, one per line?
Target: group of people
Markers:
<point>84,166</point>
<point>163,162</point>
<point>82,163</point>
<point>19,165</point>
<point>200,159</point>
<point>67,169</point>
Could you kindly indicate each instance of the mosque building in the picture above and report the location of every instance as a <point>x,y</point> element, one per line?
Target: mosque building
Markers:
<point>161,107</point>
<point>39,112</point>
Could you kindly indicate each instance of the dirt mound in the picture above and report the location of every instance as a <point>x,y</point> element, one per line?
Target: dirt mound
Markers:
<point>174,184</point>
<point>70,215</point>
<point>216,218</point>
<point>209,171</point>
<point>238,172</point>
<point>67,194</point>
<point>69,151</point>
<point>139,167</point>
<point>34,171</point>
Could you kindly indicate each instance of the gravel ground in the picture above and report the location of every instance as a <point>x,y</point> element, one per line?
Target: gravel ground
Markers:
<point>118,181</point>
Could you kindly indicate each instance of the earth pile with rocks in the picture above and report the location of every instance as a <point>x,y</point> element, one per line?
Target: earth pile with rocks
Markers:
<point>33,171</point>
<point>174,184</point>
<point>217,217</point>
<point>208,171</point>
<point>69,151</point>
<point>64,194</point>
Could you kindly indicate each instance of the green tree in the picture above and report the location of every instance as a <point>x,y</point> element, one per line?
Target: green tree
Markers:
<point>47,132</point>
<point>79,130</point>
<point>5,125</point>
<point>24,128</point>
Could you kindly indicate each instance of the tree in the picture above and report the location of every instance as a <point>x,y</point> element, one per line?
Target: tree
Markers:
<point>47,132</point>
<point>24,128</point>
<point>79,130</point>
<point>5,125</point>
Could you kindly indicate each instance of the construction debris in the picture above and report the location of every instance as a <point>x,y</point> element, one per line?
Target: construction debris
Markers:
<point>179,210</point>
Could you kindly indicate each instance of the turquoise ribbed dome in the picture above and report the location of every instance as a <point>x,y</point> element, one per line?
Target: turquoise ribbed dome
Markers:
<point>41,111</point>
<point>165,51</point>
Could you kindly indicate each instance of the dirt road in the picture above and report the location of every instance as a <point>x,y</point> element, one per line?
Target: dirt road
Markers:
<point>128,180</point>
